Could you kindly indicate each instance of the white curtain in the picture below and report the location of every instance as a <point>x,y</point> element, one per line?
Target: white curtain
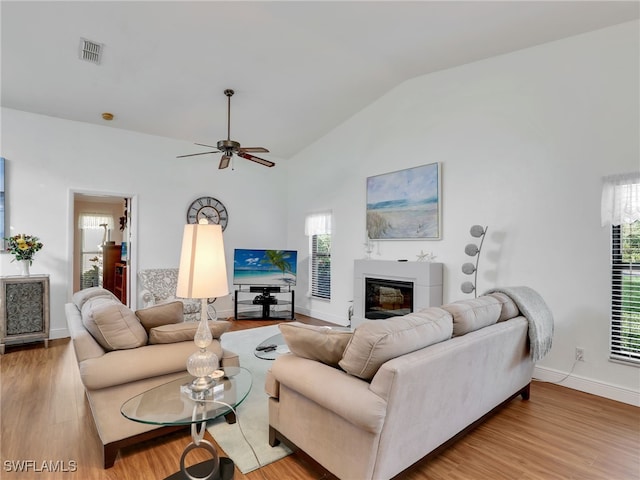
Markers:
<point>95,220</point>
<point>318,224</point>
<point>620,199</point>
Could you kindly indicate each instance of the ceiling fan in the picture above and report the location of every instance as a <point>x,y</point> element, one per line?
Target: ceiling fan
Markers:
<point>228,147</point>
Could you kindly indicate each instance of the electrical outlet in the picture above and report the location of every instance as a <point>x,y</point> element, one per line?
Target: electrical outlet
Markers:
<point>580,354</point>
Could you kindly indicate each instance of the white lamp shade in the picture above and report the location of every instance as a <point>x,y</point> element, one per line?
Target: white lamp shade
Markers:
<point>203,269</point>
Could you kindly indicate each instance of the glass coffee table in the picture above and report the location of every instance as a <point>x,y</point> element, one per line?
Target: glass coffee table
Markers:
<point>171,405</point>
<point>272,348</point>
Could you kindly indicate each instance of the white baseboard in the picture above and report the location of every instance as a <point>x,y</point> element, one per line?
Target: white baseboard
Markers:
<point>587,385</point>
<point>224,314</point>
<point>58,333</point>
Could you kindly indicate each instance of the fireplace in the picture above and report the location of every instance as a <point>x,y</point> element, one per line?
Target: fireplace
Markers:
<point>406,287</point>
<point>387,298</point>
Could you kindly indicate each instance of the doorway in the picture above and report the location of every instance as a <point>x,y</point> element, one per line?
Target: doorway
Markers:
<point>103,249</point>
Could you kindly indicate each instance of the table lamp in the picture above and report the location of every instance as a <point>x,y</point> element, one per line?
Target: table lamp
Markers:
<point>202,274</point>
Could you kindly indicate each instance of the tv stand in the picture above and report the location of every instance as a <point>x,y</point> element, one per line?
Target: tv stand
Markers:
<point>266,299</point>
<point>265,290</point>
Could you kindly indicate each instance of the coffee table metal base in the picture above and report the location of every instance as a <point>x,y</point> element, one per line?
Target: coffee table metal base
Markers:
<point>237,384</point>
<point>201,470</point>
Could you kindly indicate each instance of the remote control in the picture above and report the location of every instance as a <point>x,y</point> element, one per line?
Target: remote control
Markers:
<point>266,348</point>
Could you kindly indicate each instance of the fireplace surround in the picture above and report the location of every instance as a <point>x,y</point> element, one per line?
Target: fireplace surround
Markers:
<point>391,282</point>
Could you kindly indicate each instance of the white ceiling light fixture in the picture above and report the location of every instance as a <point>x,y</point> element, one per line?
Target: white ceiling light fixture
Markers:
<point>91,51</point>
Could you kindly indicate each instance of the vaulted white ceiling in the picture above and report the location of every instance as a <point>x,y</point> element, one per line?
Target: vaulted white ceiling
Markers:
<point>299,68</point>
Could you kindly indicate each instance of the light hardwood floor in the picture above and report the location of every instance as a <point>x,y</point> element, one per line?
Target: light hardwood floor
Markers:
<point>558,434</point>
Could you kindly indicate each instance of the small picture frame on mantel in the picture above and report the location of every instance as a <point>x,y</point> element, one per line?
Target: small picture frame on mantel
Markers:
<point>405,205</point>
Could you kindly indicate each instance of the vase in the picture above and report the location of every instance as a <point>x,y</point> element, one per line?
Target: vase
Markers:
<point>24,267</point>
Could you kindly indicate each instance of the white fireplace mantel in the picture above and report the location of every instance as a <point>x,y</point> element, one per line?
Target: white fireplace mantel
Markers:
<point>425,276</point>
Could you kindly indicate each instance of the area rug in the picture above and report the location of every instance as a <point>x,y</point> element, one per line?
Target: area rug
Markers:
<point>253,413</point>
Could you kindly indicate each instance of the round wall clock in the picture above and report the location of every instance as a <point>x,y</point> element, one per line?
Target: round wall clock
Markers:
<point>210,208</point>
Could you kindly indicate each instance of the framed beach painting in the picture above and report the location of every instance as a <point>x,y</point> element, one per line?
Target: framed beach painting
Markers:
<point>405,205</point>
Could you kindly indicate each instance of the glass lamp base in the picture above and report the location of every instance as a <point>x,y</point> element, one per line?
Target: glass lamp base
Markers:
<point>201,365</point>
<point>202,384</point>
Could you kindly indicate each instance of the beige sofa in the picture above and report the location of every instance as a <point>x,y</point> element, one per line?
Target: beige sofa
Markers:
<point>121,354</point>
<point>370,403</point>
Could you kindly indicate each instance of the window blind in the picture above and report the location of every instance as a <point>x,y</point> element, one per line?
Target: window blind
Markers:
<point>321,266</point>
<point>318,224</point>
<point>621,209</point>
<point>620,201</point>
<point>95,220</point>
<point>317,227</point>
<point>625,290</point>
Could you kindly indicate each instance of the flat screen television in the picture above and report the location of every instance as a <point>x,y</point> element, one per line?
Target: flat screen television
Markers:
<point>264,267</point>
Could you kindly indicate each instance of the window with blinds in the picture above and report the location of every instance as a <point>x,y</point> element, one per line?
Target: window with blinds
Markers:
<point>321,266</point>
<point>625,301</point>
<point>95,229</point>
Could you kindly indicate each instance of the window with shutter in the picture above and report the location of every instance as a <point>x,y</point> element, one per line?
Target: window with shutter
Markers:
<point>318,228</point>
<point>625,288</point>
<point>94,229</point>
<point>620,209</point>
<point>321,266</point>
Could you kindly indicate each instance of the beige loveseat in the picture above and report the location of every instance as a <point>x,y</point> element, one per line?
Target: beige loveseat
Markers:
<point>121,354</point>
<point>369,404</point>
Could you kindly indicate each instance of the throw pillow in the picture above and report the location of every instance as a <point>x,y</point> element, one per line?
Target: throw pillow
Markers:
<point>185,331</point>
<point>80,297</point>
<point>508,307</point>
<point>474,314</point>
<point>323,344</point>
<point>112,324</point>
<point>374,342</point>
<point>158,315</point>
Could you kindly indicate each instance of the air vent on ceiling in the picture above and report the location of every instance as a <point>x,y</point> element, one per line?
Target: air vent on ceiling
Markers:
<point>90,51</point>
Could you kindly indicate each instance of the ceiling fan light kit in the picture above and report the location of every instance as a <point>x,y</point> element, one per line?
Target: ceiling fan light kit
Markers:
<point>230,147</point>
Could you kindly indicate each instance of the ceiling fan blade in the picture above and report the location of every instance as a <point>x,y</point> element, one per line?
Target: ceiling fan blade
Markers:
<point>253,158</point>
<point>194,154</point>
<point>205,145</point>
<point>224,161</point>
<point>253,149</point>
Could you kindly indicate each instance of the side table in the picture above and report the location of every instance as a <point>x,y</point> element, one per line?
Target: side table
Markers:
<point>24,309</point>
<point>166,405</point>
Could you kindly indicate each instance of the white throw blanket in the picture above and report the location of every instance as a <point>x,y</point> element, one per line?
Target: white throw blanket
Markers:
<point>537,313</point>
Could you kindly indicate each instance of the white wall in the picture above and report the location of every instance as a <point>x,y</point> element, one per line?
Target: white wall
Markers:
<point>48,157</point>
<point>524,140</point>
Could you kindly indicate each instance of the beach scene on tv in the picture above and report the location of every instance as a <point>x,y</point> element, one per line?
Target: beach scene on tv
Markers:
<point>264,267</point>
